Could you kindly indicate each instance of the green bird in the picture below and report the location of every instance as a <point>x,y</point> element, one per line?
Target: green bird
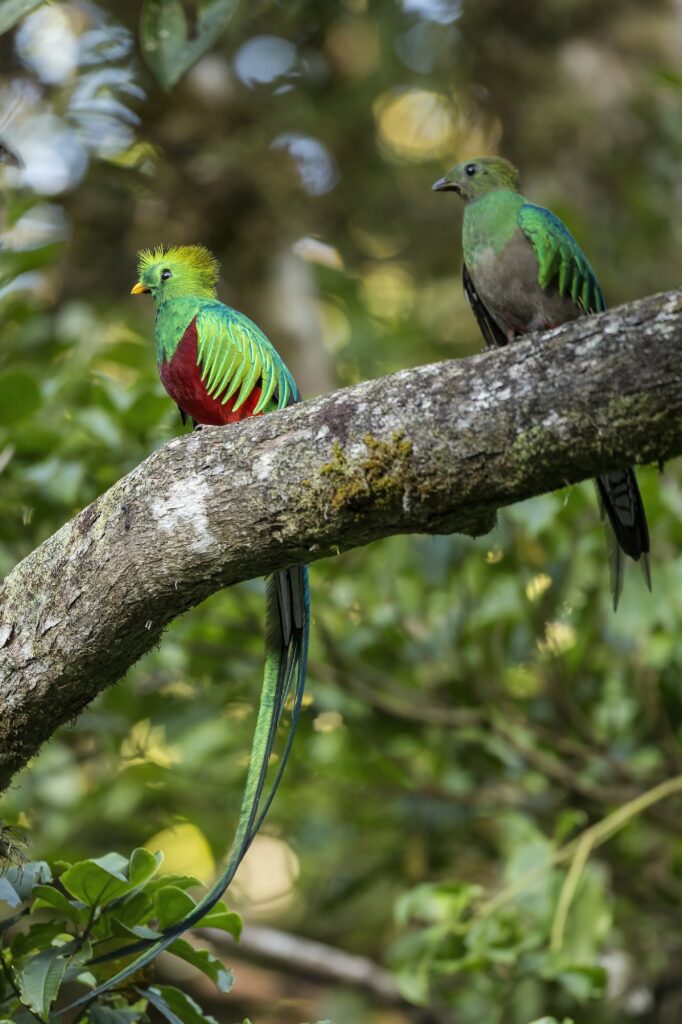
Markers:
<point>219,368</point>
<point>524,271</point>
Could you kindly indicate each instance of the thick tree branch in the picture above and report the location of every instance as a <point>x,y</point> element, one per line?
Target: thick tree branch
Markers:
<point>434,449</point>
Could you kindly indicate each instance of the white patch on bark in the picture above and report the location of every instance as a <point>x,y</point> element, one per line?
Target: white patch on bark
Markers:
<point>269,452</point>
<point>262,466</point>
<point>183,509</point>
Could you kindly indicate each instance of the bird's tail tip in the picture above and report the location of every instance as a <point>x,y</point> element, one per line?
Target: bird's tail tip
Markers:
<point>646,570</point>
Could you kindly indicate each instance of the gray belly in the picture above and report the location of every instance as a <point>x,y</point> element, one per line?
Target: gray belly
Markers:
<point>507,285</point>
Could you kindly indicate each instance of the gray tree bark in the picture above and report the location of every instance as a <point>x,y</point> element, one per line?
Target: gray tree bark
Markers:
<point>434,449</point>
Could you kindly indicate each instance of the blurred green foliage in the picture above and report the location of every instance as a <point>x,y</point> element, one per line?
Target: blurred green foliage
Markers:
<point>474,706</point>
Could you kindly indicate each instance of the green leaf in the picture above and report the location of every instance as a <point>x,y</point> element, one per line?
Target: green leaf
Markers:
<point>48,896</point>
<point>221,976</point>
<point>8,894</point>
<point>167,49</point>
<point>134,909</point>
<point>9,922</point>
<point>108,1015</point>
<point>19,396</point>
<point>136,931</point>
<point>98,882</point>
<point>223,919</point>
<point>40,980</point>
<point>80,954</point>
<point>93,884</point>
<point>179,881</point>
<point>143,865</point>
<point>114,862</point>
<point>163,32</point>
<point>171,904</point>
<point>12,11</point>
<point>176,1006</point>
<point>24,879</point>
<point>39,936</point>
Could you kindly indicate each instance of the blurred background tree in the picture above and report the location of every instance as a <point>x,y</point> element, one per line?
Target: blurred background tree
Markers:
<point>473,705</point>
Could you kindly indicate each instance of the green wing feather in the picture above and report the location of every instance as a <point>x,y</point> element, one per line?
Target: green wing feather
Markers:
<point>561,261</point>
<point>235,357</point>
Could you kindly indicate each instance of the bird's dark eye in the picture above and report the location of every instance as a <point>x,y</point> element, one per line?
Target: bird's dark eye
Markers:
<point>165,274</point>
<point>470,170</point>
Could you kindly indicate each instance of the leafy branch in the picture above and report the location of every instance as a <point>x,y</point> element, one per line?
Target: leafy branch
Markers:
<point>74,921</point>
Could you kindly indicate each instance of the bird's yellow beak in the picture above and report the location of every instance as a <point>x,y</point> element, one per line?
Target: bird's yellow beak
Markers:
<point>138,289</point>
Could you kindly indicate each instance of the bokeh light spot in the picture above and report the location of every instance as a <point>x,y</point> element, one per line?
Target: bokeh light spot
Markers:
<point>536,587</point>
<point>415,123</point>
<point>388,291</point>
<point>315,165</point>
<point>266,877</point>
<point>47,43</point>
<point>185,851</point>
<point>264,59</point>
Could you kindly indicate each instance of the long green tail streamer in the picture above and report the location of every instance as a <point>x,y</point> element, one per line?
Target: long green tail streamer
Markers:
<point>288,630</point>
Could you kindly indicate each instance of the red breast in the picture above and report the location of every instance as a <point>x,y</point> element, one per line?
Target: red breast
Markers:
<point>181,378</point>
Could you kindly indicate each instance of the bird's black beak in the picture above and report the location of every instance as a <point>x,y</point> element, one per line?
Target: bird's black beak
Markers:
<point>444,185</point>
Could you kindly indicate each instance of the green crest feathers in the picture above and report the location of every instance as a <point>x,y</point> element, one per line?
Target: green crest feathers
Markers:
<point>196,260</point>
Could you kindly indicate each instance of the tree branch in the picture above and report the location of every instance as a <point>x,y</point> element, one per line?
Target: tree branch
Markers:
<point>434,449</point>
<point>307,957</point>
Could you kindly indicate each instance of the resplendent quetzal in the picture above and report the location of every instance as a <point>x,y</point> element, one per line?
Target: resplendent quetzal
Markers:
<point>219,368</point>
<point>524,271</point>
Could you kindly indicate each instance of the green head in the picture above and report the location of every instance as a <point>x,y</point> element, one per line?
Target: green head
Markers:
<point>176,272</point>
<point>475,178</point>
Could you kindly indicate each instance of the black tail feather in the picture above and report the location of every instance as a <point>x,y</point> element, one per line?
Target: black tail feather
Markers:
<point>622,507</point>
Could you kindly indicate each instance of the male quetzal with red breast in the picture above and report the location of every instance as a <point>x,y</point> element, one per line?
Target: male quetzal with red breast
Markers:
<point>219,368</point>
<point>524,271</point>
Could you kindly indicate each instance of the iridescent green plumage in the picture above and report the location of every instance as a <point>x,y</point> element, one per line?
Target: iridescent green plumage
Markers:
<point>219,367</point>
<point>561,261</point>
<point>194,270</point>
<point>235,355</point>
<point>524,271</point>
